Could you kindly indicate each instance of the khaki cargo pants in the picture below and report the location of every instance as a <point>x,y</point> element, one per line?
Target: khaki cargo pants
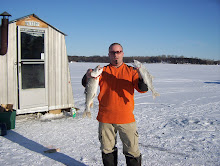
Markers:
<point>128,134</point>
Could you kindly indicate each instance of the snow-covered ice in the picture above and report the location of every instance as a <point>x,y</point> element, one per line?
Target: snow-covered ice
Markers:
<point>181,127</point>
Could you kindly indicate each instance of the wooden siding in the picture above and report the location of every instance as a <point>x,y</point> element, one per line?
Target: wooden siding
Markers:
<point>31,18</point>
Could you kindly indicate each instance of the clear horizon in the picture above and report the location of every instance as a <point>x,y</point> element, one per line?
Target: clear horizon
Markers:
<point>189,28</point>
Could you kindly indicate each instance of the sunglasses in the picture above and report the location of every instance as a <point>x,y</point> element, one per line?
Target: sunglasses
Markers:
<point>115,52</point>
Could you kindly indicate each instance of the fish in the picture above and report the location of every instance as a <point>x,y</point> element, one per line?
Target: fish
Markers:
<point>147,77</point>
<point>91,90</point>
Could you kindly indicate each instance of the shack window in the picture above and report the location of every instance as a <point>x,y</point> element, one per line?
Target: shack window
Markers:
<point>32,46</point>
<point>33,76</point>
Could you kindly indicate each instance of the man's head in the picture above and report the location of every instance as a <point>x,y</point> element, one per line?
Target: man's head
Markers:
<point>116,54</point>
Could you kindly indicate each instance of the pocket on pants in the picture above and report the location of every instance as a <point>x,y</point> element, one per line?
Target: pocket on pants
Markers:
<point>129,136</point>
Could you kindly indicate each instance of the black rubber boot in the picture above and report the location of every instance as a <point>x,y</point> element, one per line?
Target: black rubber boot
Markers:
<point>110,159</point>
<point>133,161</point>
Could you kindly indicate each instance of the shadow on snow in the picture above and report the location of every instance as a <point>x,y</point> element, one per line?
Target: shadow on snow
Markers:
<point>36,147</point>
<point>164,150</point>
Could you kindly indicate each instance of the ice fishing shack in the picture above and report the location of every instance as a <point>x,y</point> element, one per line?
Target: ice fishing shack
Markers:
<point>34,70</point>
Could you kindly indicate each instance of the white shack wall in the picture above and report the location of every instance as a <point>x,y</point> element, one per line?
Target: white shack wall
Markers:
<point>60,94</point>
<point>8,70</point>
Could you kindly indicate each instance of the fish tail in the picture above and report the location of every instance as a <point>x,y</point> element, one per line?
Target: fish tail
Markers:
<point>86,114</point>
<point>155,94</point>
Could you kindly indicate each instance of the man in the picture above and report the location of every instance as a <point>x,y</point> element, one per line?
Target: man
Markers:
<point>116,104</point>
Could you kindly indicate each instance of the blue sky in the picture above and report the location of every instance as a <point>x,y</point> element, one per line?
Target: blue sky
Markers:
<point>189,28</point>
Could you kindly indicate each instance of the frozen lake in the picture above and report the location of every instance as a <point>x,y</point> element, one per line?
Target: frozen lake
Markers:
<point>181,127</point>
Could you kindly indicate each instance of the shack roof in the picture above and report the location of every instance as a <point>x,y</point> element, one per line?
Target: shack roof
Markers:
<point>39,19</point>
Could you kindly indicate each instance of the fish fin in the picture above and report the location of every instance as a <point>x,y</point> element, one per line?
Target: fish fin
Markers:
<point>91,105</point>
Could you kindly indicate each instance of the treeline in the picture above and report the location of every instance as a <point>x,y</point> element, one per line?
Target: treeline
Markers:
<point>153,59</point>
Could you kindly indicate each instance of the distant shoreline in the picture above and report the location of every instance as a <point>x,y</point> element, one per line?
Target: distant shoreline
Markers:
<point>153,59</point>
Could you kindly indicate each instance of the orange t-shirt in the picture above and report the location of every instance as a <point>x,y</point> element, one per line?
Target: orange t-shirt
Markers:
<point>116,97</point>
